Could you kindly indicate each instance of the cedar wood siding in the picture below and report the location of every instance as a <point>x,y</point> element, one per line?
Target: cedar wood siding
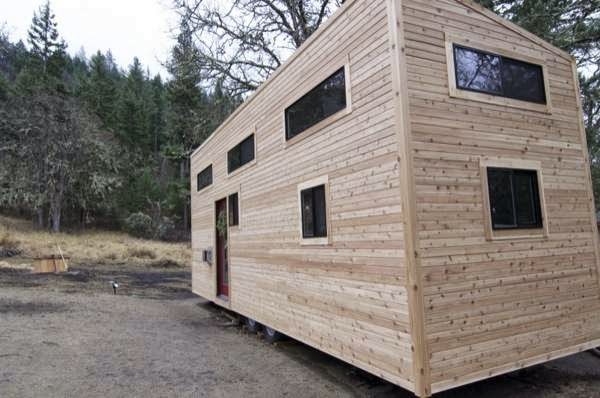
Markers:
<point>496,306</point>
<point>347,298</point>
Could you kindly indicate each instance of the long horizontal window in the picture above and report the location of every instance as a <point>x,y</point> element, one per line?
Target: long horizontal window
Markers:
<point>328,98</point>
<point>489,73</point>
<point>514,198</point>
<point>241,154</point>
<point>205,178</point>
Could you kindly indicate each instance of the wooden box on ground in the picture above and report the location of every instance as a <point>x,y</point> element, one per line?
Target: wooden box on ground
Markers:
<point>414,279</point>
<point>50,264</point>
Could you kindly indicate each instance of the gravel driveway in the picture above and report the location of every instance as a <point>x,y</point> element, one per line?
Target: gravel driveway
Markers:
<point>68,336</point>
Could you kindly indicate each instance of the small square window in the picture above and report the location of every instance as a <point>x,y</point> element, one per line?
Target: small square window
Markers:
<point>314,212</point>
<point>514,199</point>
<point>234,216</point>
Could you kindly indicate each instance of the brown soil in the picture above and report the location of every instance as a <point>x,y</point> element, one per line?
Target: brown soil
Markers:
<point>68,335</point>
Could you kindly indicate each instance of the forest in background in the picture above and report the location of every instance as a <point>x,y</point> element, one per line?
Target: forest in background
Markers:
<point>84,143</point>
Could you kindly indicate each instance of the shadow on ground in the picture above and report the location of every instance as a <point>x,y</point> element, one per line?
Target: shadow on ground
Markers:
<point>574,376</point>
<point>139,281</point>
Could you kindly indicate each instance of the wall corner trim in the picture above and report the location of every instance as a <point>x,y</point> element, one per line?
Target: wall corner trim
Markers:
<point>414,284</point>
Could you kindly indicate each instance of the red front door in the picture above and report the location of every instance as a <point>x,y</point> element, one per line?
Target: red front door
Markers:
<point>222,261</point>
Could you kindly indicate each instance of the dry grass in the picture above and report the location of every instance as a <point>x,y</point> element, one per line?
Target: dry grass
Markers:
<point>7,241</point>
<point>90,246</point>
<point>141,252</point>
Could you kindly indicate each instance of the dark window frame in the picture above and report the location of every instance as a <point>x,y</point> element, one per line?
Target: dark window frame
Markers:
<point>200,185</point>
<point>234,164</point>
<point>535,199</point>
<point>233,209</point>
<point>502,58</point>
<point>289,133</point>
<point>319,228</point>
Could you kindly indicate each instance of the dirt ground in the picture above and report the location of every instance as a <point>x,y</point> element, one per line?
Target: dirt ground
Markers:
<point>69,336</point>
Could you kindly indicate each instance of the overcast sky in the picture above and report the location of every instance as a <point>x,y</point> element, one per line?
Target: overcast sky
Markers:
<point>127,27</point>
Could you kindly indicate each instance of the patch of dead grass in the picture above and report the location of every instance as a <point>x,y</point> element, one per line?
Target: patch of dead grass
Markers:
<point>91,246</point>
<point>141,252</point>
<point>7,241</point>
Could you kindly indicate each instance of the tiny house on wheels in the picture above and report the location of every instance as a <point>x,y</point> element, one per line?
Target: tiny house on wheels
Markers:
<point>410,192</point>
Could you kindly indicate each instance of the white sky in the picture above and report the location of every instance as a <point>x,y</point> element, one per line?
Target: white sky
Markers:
<point>127,27</point>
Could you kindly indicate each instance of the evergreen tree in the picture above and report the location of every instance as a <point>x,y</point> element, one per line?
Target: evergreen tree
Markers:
<point>69,124</point>
<point>46,46</point>
<point>158,114</point>
<point>135,109</point>
<point>101,91</point>
<point>186,106</point>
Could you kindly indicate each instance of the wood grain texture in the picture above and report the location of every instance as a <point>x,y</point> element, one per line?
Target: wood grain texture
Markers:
<point>411,284</point>
<point>347,295</point>
<point>496,302</point>
<point>407,179</point>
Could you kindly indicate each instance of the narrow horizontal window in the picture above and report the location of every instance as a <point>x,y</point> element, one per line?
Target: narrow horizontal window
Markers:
<point>326,99</point>
<point>514,198</point>
<point>314,210</point>
<point>205,178</point>
<point>241,154</point>
<point>488,73</point>
<point>234,217</point>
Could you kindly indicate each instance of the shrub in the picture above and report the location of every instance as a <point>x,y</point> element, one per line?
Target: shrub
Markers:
<point>165,229</point>
<point>139,225</point>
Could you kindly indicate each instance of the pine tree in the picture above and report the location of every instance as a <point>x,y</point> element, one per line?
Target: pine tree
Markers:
<point>158,114</point>
<point>134,110</point>
<point>185,94</point>
<point>44,40</point>
<point>101,91</point>
<point>185,109</point>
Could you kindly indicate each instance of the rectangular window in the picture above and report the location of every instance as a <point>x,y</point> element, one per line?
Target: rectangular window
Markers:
<point>314,218</point>
<point>488,73</point>
<point>205,178</point>
<point>234,217</point>
<point>514,198</point>
<point>241,154</point>
<point>328,98</point>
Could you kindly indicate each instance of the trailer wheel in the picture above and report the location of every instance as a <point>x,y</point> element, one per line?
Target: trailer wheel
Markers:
<point>272,335</point>
<point>252,325</point>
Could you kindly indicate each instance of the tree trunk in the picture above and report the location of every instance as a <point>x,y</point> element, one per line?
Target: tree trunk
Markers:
<point>186,216</point>
<point>40,217</point>
<point>82,218</point>
<point>55,214</point>
<point>56,204</point>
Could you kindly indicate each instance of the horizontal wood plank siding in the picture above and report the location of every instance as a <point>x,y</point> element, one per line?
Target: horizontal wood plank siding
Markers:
<point>495,306</point>
<point>347,298</point>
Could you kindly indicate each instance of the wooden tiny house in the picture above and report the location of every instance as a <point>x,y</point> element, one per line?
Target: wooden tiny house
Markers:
<point>410,192</point>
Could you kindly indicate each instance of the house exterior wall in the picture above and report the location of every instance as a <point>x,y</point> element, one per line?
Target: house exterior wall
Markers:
<point>495,302</point>
<point>349,297</point>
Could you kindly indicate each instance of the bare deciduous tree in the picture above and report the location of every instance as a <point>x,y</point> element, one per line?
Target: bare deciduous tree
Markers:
<point>241,42</point>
